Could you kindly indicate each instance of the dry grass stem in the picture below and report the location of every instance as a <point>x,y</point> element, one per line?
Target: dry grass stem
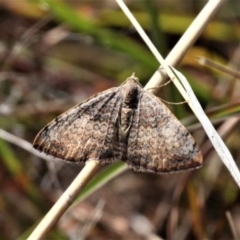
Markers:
<point>209,63</point>
<point>188,39</point>
<point>65,200</point>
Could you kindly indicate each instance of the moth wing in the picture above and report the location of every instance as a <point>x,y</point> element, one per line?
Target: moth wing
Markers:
<point>86,131</point>
<point>157,141</point>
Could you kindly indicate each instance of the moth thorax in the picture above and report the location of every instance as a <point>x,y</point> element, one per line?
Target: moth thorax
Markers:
<point>129,105</point>
<point>130,96</point>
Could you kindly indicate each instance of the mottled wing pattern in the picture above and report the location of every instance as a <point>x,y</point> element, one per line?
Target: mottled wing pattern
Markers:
<point>157,141</point>
<point>86,131</point>
<point>124,123</point>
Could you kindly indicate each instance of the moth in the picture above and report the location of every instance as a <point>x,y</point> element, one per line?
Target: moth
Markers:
<point>124,123</point>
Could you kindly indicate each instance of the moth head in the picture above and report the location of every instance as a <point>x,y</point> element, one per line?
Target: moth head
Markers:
<point>133,79</point>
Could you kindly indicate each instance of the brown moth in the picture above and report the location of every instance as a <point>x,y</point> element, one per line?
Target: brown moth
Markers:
<point>124,123</point>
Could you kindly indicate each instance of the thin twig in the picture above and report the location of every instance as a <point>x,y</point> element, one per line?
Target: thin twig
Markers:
<point>233,226</point>
<point>209,63</point>
<point>93,221</point>
<point>23,144</point>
